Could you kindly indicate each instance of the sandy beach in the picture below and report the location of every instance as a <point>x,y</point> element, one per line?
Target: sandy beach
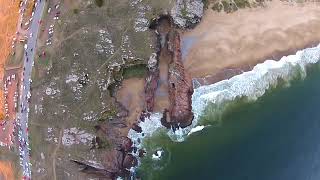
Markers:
<point>249,36</point>
<point>131,95</point>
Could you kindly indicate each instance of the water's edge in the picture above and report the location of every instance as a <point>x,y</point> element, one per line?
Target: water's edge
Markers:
<point>250,85</point>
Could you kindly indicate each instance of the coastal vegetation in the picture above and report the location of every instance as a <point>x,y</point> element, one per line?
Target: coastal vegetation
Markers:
<point>99,3</point>
<point>139,71</point>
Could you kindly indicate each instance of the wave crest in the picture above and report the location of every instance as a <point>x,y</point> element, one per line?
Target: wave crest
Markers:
<point>251,85</point>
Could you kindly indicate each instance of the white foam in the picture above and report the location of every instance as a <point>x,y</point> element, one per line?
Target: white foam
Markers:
<point>252,84</point>
<point>196,129</point>
<point>157,155</point>
<point>149,126</point>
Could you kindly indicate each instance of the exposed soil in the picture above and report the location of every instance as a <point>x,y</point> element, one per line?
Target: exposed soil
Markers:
<point>131,95</point>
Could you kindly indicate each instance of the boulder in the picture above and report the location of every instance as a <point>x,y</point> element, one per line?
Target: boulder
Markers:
<point>137,128</point>
<point>113,160</point>
<point>126,144</point>
<point>129,161</point>
<point>187,13</point>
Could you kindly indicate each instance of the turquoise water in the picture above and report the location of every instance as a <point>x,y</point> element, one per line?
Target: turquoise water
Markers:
<point>273,138</point>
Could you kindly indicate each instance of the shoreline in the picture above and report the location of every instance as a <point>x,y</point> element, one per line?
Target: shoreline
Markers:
<point>229,72</point>
<point>217,49</point>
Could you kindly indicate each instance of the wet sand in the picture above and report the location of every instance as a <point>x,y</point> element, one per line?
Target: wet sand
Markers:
<point>131,95</point>
<point>162,94</point>
<point>249,36</point>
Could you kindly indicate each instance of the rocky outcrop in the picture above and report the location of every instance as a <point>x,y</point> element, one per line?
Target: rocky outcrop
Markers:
<point>187,13</point>
<point>151,82</point>
<point>117,162</point>
<point>180,85</point>
<point>180,88</point>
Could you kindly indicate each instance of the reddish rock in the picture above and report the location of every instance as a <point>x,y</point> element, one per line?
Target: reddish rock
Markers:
<point>113,161</point>
<point>180,85</point>
<point>129,161</point>
<point>126,144</point>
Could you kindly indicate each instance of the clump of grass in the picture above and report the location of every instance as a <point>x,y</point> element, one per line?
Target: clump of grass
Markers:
<point>184,12</point>
<point>75,11</point>
<point>205,4</point>
<point>99,3</point>
<point>217,7</point>
<point>242,3</point>
<point>138,71</point>
<point>108,114</point>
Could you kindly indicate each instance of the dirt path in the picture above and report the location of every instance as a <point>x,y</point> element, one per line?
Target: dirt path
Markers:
<point>249,36</point>
<point>55,153</point>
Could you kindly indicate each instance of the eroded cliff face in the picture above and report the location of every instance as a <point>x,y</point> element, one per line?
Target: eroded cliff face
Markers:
<point>180,85</point>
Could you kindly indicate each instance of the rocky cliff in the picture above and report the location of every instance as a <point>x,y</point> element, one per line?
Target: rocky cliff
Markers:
<point>180,85</point>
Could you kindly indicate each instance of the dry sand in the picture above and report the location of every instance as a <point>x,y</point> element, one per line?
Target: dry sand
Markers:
<point>249,36</point>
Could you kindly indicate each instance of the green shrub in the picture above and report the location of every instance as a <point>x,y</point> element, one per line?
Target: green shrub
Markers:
<point>75,11</point>
<point>99,3</point>
<point>138,71</point>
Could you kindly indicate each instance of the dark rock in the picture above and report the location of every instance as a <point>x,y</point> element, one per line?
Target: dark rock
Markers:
<point>129,161</point>
<point>141,152</point>
<point>164,120</point>
<point>113,160</point>
<point>134,149</point>
<point>137,128</point>
<point>187,13</point>
<point>126,144</point>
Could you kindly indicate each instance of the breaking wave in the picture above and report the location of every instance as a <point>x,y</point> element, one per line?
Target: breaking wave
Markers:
<point>250,85</point>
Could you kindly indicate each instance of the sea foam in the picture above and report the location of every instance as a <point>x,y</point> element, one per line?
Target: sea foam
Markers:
<point>252,85</point>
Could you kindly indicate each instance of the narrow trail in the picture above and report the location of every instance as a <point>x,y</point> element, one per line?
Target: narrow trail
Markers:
<point>55,153</point>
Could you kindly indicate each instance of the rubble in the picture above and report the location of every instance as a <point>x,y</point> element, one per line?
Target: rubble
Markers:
<point>76,136</point>
<point>187,13</point>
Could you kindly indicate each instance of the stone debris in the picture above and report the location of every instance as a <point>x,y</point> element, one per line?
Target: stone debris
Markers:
<point>76,136</point>
<point>105,44</point>
<point>126,48</point>
<point>50,91</point>
<point>90,116</point>
<point>50,135</point>
<point>187,13</point>
<point>141,23</point>
<point>72,78</point>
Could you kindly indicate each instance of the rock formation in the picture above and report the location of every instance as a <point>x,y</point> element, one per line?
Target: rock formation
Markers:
<point>180,88</point>
<point>187,13</point>
<point>180,85</point>
<point>117,162</point>
<point>151,82</point>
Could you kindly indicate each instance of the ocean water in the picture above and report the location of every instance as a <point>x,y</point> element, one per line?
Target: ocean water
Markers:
<point>260,125</point>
